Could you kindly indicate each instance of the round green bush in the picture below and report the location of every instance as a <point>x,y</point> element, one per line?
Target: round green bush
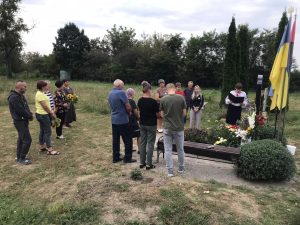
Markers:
<point>266,131</point>
<point>265,160</point>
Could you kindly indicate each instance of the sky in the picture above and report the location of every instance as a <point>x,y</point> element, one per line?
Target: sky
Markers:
<point>148,16</point>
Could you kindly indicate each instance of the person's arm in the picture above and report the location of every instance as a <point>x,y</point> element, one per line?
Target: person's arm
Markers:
<point>157,96</point>
<point>245,102</point>
<point>128,107</point>
<point>47,109</point>
<point>136,114</point>
<point>227,100</point>
<point>202,102</point>
<point>184,108</point>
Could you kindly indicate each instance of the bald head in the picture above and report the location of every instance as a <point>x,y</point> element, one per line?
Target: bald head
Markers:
<point>118,84</point>
<point>21,86</point>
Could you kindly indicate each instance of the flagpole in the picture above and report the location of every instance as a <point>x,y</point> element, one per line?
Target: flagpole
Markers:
<point>281,102</point>
<point>289,69</point>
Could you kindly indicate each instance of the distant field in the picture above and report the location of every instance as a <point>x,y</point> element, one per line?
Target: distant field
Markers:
<point>82,186</point>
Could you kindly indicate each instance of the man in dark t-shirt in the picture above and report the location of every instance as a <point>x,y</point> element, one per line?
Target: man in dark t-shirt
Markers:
<point>149,112</point>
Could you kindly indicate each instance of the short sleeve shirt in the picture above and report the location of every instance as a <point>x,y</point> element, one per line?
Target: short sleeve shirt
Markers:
<point>41,97</point>
<point>117,99</point>
<point>172,107</point>
<point>132,119</point>
<point>148,108</point>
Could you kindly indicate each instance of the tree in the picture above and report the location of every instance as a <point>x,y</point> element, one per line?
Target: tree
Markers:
<point>11,28</point>
<point>120,39</point>
<point>69,49</point>
<point>203,59</point>
<point>244,39</point>
<point>283,22</point>
<point>230,73</point>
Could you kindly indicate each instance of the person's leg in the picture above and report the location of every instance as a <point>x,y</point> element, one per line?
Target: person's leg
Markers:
<point>116,142</point>
<point>192,119</point>
<point>127,139</point>
<point>143,145</point>
<point>41,134</point>
<point>61,116</point>
<point>151,136</point>
<point>159,123</point>
<point>46,126</point>
<point>198,119</point>
<point>18,127</point>
<point>168,146</point>
<point>179,141</point>
<point>26,141</point>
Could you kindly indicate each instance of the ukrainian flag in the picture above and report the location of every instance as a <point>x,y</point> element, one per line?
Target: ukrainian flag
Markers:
<point>279,76</point>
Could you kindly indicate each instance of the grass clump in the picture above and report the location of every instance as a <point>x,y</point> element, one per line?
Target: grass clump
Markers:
<point>180,210</point>
<point>136,174</point>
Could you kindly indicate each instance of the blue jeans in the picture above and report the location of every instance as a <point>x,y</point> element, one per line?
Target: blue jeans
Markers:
<point>45,129</point>
<point>123,131</point>
<point>178,138</point>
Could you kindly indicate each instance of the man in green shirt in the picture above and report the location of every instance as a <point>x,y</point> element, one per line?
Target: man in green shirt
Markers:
<point>173,109</point>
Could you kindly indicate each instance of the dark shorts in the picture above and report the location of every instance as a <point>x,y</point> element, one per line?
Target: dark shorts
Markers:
<point>135,132</point>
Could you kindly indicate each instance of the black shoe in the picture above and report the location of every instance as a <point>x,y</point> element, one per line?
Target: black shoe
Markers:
<point>24,161</point>
<point>142,166</point>
<point>118,160</point>
<point>130,161</point>
<point>150,167</point>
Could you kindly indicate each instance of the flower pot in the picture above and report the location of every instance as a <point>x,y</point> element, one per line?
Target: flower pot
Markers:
<point>292,149</point>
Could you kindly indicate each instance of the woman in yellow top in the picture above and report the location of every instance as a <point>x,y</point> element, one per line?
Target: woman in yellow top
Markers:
<point>44,115</point>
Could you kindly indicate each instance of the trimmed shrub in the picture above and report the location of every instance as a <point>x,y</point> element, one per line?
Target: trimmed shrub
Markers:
<point>265,160</point>
<point>195,135</point>
<point>266,131</point>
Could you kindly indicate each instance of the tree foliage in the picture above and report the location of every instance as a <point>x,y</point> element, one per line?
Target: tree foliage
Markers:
<point>69,48</point>
<point>230,76</point>
<point>11,28</point>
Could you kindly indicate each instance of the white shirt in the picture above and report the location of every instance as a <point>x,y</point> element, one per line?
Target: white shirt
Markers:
<point>241,94</point>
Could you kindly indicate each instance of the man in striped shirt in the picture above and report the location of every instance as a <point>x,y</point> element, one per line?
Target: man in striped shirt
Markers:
<point>49,95</point>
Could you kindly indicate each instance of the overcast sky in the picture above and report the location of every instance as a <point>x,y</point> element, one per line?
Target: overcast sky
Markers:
<point>148,16</point>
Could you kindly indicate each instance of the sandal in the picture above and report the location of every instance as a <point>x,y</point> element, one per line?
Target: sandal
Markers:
<point>150,167</point>
<point>43,150</point>
<point>53,152</point>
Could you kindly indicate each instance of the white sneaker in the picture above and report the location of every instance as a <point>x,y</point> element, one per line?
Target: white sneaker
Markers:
<point>170,175</point>
<point>60,137</point>
<point>181,171</point>
<point>160,130</point>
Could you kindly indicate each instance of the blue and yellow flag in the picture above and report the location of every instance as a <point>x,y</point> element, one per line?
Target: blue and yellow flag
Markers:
<point>279,76</point>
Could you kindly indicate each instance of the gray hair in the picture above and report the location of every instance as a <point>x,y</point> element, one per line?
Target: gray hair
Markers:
<point>130,92</point>
<point>118,83</point>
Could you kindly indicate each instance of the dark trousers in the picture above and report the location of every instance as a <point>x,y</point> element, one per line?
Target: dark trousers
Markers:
<point>61,116</point>
<point>45,129</point>
<point>187,109</point>
<point>24,139</point>
<point>123,131</point>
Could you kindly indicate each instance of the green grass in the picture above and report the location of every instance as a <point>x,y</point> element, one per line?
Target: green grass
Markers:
<point>82,186</point>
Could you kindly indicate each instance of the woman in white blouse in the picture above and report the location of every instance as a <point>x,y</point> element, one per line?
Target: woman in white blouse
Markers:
<point>235,100</point>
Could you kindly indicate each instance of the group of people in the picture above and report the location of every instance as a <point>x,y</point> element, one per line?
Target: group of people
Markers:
<point>48,108</point>
<point>194,100</point>
<point>165,113</point>
<point>167,110</point>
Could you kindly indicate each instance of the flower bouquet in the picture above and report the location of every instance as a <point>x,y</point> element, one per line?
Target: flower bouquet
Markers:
<point>55,122</point>
<point>72,98</point>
